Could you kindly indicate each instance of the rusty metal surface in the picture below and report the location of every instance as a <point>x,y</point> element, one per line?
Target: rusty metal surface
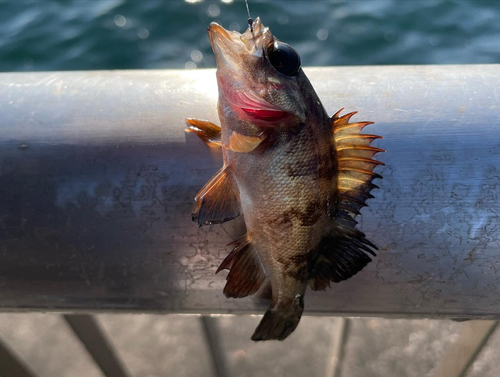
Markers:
<point>97,180</point>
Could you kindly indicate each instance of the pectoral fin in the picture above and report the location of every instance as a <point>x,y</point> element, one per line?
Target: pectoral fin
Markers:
<point>207,131</point>
<point>218,201</point>
<point>244,144</point>
<point>246,273</point>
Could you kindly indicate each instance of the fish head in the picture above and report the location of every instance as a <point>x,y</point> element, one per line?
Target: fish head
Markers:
<point>260,78</point>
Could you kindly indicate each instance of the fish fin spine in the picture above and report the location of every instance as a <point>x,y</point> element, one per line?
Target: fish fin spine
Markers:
<point>355,165</point>
<point>347,251</point>
<point>207,131</point>
<point>218,201</point>
<point>246,273</point>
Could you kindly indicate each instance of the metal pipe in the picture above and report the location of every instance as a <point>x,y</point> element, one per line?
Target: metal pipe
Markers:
<point>11,364</point>
<point>472,339</point>
<point>88,330</point>
<point>97,180</point>
<point>213,339</point>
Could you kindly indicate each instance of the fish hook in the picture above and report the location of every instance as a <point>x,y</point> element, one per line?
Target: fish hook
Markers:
<point>250,19</point>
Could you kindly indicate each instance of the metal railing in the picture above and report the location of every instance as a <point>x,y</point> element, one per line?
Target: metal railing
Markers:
<point>97,179</point>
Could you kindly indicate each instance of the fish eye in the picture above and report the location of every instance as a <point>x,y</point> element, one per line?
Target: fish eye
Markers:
<point>283,58</point>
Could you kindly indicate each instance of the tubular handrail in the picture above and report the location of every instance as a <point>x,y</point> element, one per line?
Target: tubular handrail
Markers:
<point>97,179</point>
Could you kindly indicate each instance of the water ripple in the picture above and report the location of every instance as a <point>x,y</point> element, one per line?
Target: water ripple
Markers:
<point>116,34</point>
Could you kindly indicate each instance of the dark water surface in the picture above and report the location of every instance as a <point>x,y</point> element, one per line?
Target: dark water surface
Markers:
<point>117,34</point>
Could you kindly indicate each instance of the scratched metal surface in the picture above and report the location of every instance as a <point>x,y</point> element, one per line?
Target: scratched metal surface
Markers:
<point>97,180</point>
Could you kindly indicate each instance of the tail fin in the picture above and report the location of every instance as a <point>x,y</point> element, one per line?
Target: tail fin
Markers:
<point>278,324</point>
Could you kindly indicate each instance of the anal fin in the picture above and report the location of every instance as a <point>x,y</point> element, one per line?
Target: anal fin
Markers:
<point>218,201</point>
<point>207,131</point>
<point>246,273</point>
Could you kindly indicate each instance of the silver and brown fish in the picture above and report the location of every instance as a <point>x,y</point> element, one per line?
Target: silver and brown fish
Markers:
<point>298,176</point>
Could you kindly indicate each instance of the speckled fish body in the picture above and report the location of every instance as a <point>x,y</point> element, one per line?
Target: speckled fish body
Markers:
<point>297,175</point>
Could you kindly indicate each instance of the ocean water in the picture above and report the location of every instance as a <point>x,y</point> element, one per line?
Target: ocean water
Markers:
<point>135,34</point>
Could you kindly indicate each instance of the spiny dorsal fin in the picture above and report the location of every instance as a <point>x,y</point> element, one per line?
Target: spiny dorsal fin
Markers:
<point>246,273</point>
<point>356,165</point>
<point>347,251</point>
<point>218,201</point>
<point>207,131</point>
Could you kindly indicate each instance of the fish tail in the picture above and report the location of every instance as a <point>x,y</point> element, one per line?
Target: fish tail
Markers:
<point>278,323</point>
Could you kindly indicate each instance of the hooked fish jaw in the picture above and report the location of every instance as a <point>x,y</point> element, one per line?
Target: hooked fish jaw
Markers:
<point>247,80</point>
<point>231,48</point>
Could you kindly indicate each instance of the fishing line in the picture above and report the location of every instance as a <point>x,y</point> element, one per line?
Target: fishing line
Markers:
<point>250,19</point>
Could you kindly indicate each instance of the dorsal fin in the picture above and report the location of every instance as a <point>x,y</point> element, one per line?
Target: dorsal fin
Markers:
<point>356,165</point>
<point>347,251</point>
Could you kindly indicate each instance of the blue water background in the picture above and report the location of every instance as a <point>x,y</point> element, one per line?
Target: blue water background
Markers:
<point>114,34</point>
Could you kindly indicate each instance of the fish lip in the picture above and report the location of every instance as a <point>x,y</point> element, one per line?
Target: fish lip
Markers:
<point>216,30</point>
<point>225,42</point>
<point>222,45</point>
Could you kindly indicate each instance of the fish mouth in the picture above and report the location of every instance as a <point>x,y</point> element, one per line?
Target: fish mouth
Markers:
<point>225,46</point>
<point>216,30</point>
<point>230,49</point>
<point>250,38</point>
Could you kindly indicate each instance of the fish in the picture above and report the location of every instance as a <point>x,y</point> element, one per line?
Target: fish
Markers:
<point>298,176</point>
